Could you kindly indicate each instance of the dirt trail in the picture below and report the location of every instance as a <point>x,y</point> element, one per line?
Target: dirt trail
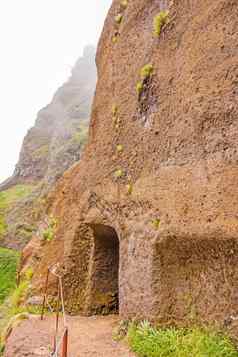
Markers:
<point>88,336</point>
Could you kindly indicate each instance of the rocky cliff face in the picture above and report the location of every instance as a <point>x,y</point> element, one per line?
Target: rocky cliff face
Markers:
<point>154,200</point>
<point>60,131</point>
<point>53,145</point>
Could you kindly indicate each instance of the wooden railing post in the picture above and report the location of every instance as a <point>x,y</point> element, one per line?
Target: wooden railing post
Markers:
<point>65,343</point>
<point>57,317</point>
<point>45,294</point>
<point>63,340</point>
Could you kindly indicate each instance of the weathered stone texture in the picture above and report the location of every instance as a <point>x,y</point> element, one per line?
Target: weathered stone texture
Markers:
<point>178,227</point>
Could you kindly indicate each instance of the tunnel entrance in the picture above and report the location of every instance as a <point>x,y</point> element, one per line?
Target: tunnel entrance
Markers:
<point>104,294</point>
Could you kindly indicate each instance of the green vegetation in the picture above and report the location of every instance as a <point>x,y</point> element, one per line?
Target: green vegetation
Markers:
<point>146,71</point>
<point>116,119</point>
<point>14,308</point>
<point>114,110</point>
<point>139,87</point>
<point>26,231</point>
<point>118,18</point>
<point>124,3</point>
<point>129,188</point>
<point>159,21</point>
<point>41,152</point>
<point>119,173</point>
<point>156,223</point>
<point>80,136</point>
<point>114,38</point>
<point>49,232</point>
<point>119,148</point>
<point>147,341</point>
<point>8,267</point>
<point>8,198</point>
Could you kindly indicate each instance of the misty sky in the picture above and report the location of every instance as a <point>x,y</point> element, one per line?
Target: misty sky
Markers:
<point>40,41</point>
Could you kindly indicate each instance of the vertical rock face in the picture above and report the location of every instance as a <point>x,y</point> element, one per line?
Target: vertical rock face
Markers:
<point>53,145</point>
<point>160,169</point>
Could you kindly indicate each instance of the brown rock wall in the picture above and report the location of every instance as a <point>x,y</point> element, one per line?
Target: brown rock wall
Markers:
<point>178,227</point>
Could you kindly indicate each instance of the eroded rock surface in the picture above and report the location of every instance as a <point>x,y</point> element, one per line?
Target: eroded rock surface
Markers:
<point>163,176</point>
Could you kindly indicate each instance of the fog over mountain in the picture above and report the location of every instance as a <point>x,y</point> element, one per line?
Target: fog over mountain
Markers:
<point>40,42</point>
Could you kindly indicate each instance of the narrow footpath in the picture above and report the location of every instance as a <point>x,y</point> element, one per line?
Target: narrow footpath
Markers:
<point>88,337</point>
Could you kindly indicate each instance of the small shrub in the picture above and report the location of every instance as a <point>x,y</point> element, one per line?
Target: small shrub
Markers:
<point>80,135</point>
<point>48,235</point>
<point>147,341</point>
<point>114,39</point>
<point>19,294</point>
<point>156,223</point>
<point>146,71</point>
<point>124,3</point>
<point>118,18</point>
<point>49,232</point>
<point>119,148</point>
<point>129,188</point>
<point>28,274</point>
<point>119,173</point>
<point>14,308</point>
<point>114,110</point>
<point>139,88</point>
<point>159,21</point>
<point>41,152</point>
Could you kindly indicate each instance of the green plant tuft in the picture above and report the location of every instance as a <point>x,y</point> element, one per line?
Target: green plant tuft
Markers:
<point>19,294</point>
<point>118,173</point>
<point>118,18</point>
<point>156,223</point>
<point>124,3</point>
<point>15,308</point>
<point>114,39</point>
<point>139,88</point>
<point>48,235</point>
<point>159,21</point>
<point>49,232</point>
<point>147,341</point>
<point>80,135</point>
<point>129,188</point>
<point>114,110</point>
<point>146,71</point>
<point>119,148</point>
<point>28,274</point>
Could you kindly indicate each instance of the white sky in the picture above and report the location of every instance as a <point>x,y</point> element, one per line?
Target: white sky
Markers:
<point>40,40</point>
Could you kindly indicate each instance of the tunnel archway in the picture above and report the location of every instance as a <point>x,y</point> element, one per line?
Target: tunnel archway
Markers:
<point>104,271</point>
